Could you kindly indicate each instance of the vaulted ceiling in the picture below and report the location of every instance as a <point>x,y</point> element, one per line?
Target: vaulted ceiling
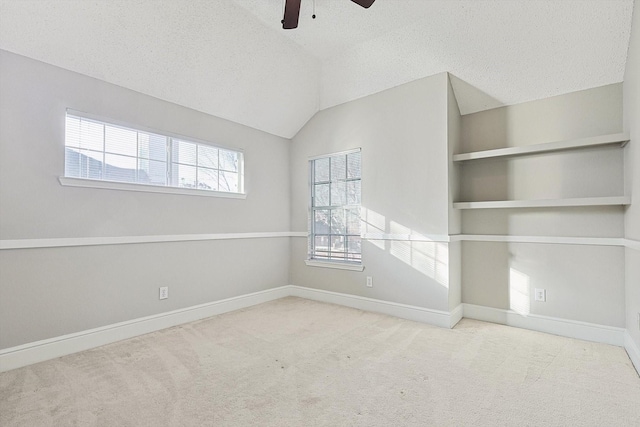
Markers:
<point>232,59</point>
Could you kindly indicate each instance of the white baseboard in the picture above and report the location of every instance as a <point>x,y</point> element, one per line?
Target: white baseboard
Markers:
<point>439,318</point>
<point>39,351</point>
<point>552,325</point>
<point>632,350</point>
<point>456,315</point>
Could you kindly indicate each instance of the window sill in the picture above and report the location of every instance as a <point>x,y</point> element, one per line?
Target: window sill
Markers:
<point>126,186</point>
<point>336,265</point>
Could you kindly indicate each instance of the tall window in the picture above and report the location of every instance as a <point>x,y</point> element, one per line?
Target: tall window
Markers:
<point>108,152</point>
<point>335,208</point>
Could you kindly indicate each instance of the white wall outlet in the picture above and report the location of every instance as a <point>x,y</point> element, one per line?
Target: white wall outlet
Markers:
<point>639,321</point>
<point>369,282</point>
<point>541,295</point>
<point>164,292</point>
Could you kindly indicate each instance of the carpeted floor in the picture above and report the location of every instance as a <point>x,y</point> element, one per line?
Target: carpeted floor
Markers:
<point>295,362</point>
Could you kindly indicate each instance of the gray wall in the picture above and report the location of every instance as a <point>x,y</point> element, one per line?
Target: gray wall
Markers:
<point>50,292</point>
<point>403,133</point>
<point>584,283</point>
<point>631,89</point>
<point>407,135</point>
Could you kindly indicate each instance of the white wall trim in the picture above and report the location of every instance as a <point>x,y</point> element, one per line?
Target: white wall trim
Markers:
<point>125,240</point>
<point>145,188</point>
<point>632,350</point>
<point>340,153</point>
<point>407,237</point>
<point>632,244</point>
<point>551,325</point>
<point>337,265</point>
<point>598,241</point>
<point>444,238</point>
<point>559,240</point>
<point>404,311</point>
<point>39,351</point>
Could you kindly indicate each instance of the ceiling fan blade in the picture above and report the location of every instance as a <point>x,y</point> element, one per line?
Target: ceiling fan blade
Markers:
<point>291,14</point>
<point>364,3</point>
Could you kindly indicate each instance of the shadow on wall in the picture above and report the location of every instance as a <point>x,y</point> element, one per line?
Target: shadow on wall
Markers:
<point>468,95</point>
<point>421,253</point>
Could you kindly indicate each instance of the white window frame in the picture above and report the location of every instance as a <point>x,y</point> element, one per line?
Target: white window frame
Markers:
<point>152,188</point>
<point>327,263</point>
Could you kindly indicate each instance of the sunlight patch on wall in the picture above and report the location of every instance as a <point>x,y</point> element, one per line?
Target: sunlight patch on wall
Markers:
<point>373,222</point>
<point>419,252</point>
<point>519,292</point>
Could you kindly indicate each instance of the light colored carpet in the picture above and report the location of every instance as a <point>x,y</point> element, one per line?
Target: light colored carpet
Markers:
<point>295,362</point>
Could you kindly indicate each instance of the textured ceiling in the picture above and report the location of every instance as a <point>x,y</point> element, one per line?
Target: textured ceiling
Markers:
<point>230,58</point>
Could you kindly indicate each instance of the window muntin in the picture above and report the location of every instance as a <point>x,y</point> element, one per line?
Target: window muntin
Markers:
<point>335,208</point>
<point>108,152</point>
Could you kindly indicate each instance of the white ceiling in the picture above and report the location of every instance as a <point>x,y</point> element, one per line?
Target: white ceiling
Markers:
<point>231,58</point>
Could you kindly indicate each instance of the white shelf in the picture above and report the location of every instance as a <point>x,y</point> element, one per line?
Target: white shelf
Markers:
<point>620,139</point>
<point>584,201</point>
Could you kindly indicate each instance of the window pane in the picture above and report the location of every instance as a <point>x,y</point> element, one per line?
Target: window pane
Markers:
<point>353,192</point>
<point>354,245</point>
<point>353,165</point>
<point>95,155</point>
<point>143,171</point>
<point>184,152</point>
<point>321,170</point>
<point>91,135</point>
<point>321,246</point>
<point>228,182</point>
<point>228,161</point>
<point>152,172</point>
<point>353,221</point>
<point>338,168</point>
<point>337,222</point>
<point>337,246</point>
<point>208,179</point>
<point>121,141</point>
<point>72,132</point>
<point>338,193</point>
<point>321,224</point>
<point>208,157</point>
<point>322,195</point>
<point>83,164</point>
<point>184,176</point>
<point>71,163</point>
<point>120,168</point>
<point>151,146</point>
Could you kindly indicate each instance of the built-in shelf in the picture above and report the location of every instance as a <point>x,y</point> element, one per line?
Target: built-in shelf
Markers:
<point>620,139</point>
<point>583,201</point>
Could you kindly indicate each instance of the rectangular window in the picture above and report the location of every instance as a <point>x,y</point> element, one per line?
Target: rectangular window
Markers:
<point>103,151</point>
<point>335,208</point>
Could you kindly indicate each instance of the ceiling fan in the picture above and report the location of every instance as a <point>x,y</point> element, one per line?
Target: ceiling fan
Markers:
<point>292,12</point>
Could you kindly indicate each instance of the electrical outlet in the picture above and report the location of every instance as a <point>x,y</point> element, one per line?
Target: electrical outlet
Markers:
<point>541,295</point>
<point>639,321</point>
<point>164,292</point>
<point>369,282</point>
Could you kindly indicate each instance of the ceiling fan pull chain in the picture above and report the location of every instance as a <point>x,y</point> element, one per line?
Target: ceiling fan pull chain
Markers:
<point>314,10</point>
